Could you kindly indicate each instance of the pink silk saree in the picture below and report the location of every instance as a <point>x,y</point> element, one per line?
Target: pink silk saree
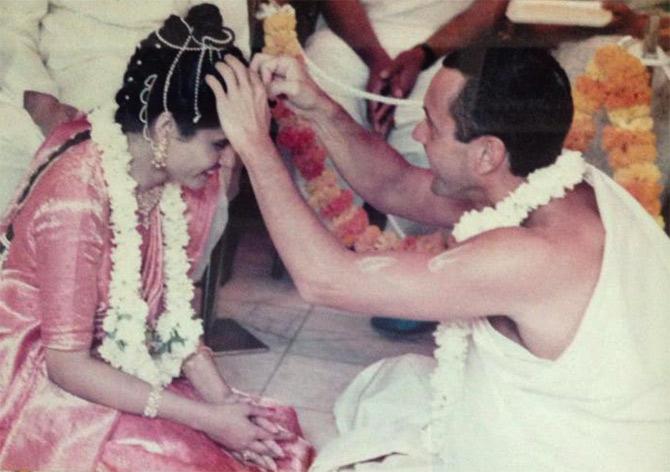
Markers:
<point>53,293</point>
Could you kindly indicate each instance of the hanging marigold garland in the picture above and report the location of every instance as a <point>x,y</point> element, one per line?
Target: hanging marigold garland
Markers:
<point>618,82</point>
<point>334,204</point>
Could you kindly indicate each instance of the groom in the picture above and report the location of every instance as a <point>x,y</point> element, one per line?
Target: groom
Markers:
<point>560,358</point>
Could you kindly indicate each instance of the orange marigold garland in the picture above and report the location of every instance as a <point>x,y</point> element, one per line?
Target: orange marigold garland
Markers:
<point>618,82</point>
<point>334,204</point>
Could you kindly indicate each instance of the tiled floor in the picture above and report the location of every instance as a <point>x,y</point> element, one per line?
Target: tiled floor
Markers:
<point>314,351</point>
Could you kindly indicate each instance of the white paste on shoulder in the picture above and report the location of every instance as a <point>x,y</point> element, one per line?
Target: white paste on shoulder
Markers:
<point>375,263</point>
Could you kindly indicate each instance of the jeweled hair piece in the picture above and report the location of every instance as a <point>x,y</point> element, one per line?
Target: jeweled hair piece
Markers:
<point>207,45</point>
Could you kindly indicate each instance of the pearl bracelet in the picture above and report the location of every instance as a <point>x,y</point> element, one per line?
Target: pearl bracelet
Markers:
<point>153,402</point>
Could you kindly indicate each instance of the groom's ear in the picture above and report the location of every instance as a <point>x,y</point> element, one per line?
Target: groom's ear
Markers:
<point>489,155</point>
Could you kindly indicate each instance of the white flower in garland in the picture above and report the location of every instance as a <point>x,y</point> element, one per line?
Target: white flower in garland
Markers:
<point>453,339</point>
<point>128,338</point>
<point>542,185</point>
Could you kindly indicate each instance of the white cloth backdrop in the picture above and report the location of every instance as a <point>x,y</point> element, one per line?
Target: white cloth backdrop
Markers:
<point>77,50</point>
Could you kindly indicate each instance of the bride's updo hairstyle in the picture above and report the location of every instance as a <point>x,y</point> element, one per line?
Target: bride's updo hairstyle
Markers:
<point>167,71</point>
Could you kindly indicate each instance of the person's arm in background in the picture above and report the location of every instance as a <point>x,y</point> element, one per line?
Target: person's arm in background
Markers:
<point>349,20</point>
<point>457,33</point>
<point>626,21</point>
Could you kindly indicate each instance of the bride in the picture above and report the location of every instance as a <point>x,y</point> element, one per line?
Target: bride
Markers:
<point>101,364</point>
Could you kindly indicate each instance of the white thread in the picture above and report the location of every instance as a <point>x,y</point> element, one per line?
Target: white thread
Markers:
<point>375,263</point>
<point>353,92</point>
<point>392,220</point>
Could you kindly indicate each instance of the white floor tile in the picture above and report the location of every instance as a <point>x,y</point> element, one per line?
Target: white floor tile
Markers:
<point>256,289</point>
<point>310,383</point>
<point>232,308</point>
<point>340,336</point>
<point>276,326</point>
<point>249,373</point>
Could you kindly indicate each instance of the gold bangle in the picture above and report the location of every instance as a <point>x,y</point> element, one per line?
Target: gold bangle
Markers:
<point>153,402</point>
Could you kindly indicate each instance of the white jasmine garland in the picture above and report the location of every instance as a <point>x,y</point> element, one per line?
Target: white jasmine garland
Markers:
<point>155,356</point>
<point>453,339</point>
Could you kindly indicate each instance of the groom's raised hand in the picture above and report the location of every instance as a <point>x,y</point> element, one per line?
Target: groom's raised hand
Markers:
<point>286,77</point>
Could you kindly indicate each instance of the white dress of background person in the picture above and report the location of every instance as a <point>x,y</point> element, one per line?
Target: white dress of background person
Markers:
<point>399,25</point>
<point>77,50</point>
<point>21,68</point>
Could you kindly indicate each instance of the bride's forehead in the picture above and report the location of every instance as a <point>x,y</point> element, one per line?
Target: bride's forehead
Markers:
<point>210,134</point>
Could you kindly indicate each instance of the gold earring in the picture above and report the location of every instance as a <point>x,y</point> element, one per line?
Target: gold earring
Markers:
<point>159,161</point>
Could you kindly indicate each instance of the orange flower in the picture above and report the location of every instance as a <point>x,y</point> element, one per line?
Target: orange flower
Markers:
<point>366,240</point>
<point>296,138</point>
<point>581,132</point>
<point>320,197</point>
<point>588,94</point>
<point>350,225</point>
<point>642,181</point>
<point>641,172</point>
<point>426,243</point>
<point>431,243</point>
<point>634,153</point>
<point>647,194</point>
<point>388,241</point>
<point>310,162</point>
<point>338,205</point>
<point>408,243</point>
<point>309,168</point>
<point>636,118</point>
<point>283,114</point>
<point>618,138</point>
<point>626,94</point>
<point>280,34</point>
<point>612,62</point>
<point>328,178</point>
<point>283,20</point>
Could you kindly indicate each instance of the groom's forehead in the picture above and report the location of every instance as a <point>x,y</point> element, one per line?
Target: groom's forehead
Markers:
<point>444,88</point>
